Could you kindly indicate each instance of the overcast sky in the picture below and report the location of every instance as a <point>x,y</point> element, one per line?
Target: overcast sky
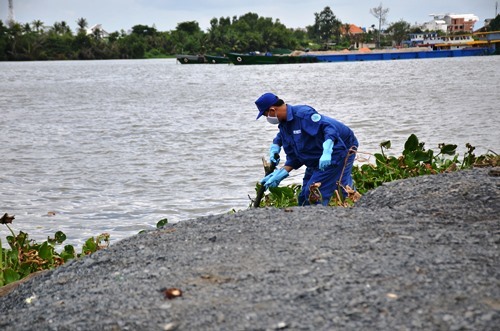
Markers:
<point>115,15</point>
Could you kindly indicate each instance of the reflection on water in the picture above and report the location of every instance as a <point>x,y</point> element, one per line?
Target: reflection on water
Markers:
<point>115,146</point>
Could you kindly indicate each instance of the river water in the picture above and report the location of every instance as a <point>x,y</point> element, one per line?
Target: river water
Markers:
<point>114,146</point>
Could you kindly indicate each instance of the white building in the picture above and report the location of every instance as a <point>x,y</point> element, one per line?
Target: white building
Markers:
<point>437,24</point>
<point>451,23</point>
<point>97,29</point>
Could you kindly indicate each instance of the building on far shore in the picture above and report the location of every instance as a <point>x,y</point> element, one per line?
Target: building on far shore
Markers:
<point>451,23</point>
<point>98,31</point>
<point>437,24</point>
<point>461,23</point>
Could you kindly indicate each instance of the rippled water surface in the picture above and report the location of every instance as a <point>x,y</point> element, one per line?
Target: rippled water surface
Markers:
<point>115,146</point>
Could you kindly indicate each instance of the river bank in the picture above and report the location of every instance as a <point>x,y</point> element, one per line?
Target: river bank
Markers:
<point>417,254</point>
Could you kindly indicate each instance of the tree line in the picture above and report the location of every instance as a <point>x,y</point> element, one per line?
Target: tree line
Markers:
<point>249,32</point>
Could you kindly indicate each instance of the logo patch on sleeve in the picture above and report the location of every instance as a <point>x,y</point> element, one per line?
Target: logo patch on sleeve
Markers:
<point>315,117</point>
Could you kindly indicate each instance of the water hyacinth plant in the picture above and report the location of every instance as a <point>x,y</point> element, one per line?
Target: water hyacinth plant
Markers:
<point>26,256</point>
<point>414,161</point>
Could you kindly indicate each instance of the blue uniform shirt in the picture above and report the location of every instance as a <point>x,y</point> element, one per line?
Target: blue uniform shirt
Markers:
<point>303,134</point>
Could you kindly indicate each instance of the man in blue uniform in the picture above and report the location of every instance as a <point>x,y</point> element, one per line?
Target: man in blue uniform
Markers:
<point>324,145</point>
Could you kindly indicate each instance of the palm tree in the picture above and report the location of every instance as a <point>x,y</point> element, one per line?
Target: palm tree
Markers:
<point>56,28</point>
<point>37,25</point>
<point>26,28</point>
<point>82,24</point>
<point>65,28</point>
<point>347,32</point>
<point>61,28</point>
<point>15,33</point>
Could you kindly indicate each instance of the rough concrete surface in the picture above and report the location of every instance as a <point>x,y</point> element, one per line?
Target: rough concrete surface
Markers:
<point>416,254</point>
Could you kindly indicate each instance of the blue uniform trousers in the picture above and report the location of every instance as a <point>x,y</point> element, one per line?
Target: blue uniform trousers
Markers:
<point>328,179</point>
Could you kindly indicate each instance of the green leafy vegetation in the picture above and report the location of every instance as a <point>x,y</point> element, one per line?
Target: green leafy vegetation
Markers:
<point>246,33</point>
<point>414,161</point>
<point>25,256</point>
<point>280,197</point>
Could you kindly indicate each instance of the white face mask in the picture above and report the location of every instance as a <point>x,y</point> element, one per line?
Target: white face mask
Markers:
<point>273,120</point>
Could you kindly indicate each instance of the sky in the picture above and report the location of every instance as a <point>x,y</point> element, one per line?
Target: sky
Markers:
<point>164,15</point>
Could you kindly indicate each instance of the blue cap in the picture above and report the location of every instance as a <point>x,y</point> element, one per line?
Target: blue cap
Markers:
<point>265,101</point>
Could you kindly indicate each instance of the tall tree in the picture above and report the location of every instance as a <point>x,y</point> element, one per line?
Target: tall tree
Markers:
<point>15,34</point>
<point>399,31</point>
<point>82,25</point>
<point>4,41</point>
<point>191,27</point>
<point>494,24</point>
<point>61,28</point>
<point>188,38</point>
<point>326,25</point>
<point>37,26</point>
<point>380,13</point>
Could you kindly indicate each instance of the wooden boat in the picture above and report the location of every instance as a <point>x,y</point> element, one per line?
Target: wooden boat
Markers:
<point>190,59</point>
<point>217,59</point>
<point>241,59</point>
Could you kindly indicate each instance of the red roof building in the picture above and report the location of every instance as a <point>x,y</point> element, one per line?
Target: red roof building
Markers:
<point>353,29</point>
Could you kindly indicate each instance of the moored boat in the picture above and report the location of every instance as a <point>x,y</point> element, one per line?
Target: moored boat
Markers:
<point>434,41</point>
<point>217,59</point>
<point>189,59</point>
<point>242,59</point>
<point>403,55</point>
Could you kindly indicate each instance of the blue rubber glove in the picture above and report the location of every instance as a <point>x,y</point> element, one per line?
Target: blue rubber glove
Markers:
<point>274,149</point>
<point>326,159</point>
<point>274,178</point>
